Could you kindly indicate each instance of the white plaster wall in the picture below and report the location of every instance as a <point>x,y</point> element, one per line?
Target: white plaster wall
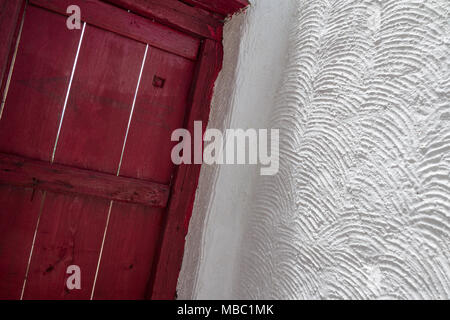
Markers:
<point>361,205</point>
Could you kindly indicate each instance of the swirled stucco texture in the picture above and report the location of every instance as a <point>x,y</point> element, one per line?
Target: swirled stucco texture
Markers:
<point>360,208</point>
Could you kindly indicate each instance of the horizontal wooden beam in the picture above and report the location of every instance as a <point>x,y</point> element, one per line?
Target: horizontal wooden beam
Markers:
<point>178,15</point>
<point>27,173</point>
<point>127,24</point>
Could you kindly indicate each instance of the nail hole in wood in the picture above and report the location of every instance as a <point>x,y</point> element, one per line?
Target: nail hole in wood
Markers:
<point>158,82</point>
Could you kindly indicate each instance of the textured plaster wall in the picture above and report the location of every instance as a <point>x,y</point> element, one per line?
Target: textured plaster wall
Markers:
<point>361,205</point>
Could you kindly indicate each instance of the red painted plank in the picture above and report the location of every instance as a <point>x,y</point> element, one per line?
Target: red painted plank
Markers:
<point>70,233</point>
<point>127,24</point>
<point>100,101</point>
<point>165,277</point>
<point>178,15</point>
<point>42,175</point>
<point>38,86</point>
<point>224,7</point>
<point>10,21</point>
<point>157,113</point>
<point>19,210</point>
<point>128,253</point>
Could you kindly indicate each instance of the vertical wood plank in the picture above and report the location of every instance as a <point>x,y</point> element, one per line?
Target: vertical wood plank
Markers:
<point>160,109</point>
<point>38,85</point>
<point>70,233</point>
<point>100,101</point>
<point>128,253</point>
<point>164,280</point>
<point>10,20</point>
<point>19,211</point>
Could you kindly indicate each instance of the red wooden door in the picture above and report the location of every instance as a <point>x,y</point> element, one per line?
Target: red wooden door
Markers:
<point>85,150</point>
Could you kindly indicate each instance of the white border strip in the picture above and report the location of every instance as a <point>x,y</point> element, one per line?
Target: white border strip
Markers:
<point>68,92</point>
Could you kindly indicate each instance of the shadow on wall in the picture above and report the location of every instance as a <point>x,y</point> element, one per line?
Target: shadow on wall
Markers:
<point>255,44</point>
<point>361,206</point>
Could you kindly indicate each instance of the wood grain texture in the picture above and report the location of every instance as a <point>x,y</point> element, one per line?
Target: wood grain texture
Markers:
<point>164,280</point>
<point>114,19</point>
<point>10,20</point>
<point>157,113</point>
<point>100,101</point>
<point>134,265</point>
<point>177,15</point>
<point>38,86</point>
<point>19,211</point>
<point>70,233</point>
<point>63,179</point>
<point>129,252</point>
<point>224,7</point>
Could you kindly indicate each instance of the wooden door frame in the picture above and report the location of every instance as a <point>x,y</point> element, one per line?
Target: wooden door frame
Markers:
<point>202,19</point>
